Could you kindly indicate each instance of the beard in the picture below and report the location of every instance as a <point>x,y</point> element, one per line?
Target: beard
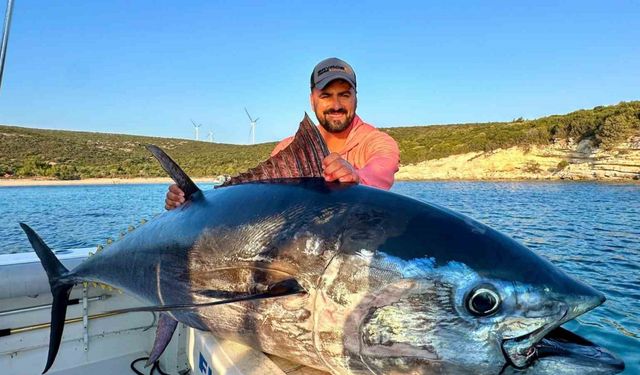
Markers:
<point>335,126</point>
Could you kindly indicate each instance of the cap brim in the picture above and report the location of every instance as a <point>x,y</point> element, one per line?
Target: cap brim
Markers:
<point>336,75</point>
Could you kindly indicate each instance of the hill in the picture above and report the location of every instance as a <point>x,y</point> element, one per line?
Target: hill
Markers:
<point>605,125</point>
<point>26,152</point>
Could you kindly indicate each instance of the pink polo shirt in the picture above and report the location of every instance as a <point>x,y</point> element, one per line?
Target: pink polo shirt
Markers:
<point>373,153</point>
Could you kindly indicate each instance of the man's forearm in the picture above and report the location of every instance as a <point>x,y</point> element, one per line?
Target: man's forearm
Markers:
<point>379,172</point>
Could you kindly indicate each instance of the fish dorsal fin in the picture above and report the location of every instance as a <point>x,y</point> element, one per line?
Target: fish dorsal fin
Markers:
<point>302,158</point>
<point>175,172</point>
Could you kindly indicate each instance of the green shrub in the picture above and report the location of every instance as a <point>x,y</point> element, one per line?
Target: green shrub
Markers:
<point>532,167</point>
<point>562,165</point>
<point>65,172</point>
<point>33,166</point>
<point>6,170</point>
<point>616,129</point>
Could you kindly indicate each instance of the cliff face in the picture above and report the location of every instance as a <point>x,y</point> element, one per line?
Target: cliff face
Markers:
<point>563,160</point>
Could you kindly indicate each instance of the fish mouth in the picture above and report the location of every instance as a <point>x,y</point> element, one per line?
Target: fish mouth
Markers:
<point>566,344</point>
<point>554,343</point>
<point>521,352</point>
<point>560,345</point>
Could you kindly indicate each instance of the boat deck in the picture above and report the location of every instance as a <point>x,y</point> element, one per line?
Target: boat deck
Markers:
<point>116,365</point>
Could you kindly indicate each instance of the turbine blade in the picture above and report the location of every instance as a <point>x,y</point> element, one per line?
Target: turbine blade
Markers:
<point>248,115</point>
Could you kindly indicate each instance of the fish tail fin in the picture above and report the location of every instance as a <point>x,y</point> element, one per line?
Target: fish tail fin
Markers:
<point>60,285</point>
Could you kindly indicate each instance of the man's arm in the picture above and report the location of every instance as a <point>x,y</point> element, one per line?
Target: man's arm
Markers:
<point>382,160</point>
<point>334,167</point>
<point>382,157</point>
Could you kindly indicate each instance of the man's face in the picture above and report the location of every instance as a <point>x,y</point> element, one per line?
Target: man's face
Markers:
<point>335,105</point>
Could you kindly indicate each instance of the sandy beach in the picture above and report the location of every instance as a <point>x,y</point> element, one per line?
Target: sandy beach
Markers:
<point>8,182</point>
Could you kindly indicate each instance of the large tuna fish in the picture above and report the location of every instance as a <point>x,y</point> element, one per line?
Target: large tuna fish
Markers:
<point>362,281</point>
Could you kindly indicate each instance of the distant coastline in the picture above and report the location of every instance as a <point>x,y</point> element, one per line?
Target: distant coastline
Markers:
<point>10,183</point>
<point>15,182</point>
<point>568,161</point>
<point>600,144</point>
<point>565,161</point>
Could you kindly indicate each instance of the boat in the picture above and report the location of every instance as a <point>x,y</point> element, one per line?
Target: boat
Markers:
<point>99,342</point>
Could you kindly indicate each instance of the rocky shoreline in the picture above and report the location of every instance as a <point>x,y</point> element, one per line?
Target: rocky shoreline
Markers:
<point>565,160</point>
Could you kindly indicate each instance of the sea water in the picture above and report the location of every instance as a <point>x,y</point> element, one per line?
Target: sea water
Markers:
<point>590,230</point>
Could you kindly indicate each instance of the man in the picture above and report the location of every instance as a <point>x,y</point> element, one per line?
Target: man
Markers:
<point>359,153</point>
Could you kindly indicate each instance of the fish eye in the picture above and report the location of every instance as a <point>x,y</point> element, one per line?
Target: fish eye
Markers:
<point>483,301</point>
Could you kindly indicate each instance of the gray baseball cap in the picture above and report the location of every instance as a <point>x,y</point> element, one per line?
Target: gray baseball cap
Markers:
<point>331,69</point>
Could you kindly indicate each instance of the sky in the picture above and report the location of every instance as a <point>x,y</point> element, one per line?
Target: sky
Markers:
<point>150,67</point>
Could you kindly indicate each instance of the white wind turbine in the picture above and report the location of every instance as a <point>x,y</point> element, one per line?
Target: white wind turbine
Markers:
<point>253,126</point>
<point>210,136</point>
<point>197,127</point>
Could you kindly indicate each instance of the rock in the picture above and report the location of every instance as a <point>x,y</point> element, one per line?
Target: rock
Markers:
<point>586,163</point>
<point>585,147</point>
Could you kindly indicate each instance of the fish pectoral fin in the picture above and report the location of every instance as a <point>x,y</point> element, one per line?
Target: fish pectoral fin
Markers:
<point>281,288</point>
<point>176,173</point>
<point>166,326</point>
<point>219,294</point>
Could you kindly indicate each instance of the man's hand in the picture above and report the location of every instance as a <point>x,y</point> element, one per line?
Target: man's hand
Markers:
<point>334,168</point>
<point>175,197</point>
